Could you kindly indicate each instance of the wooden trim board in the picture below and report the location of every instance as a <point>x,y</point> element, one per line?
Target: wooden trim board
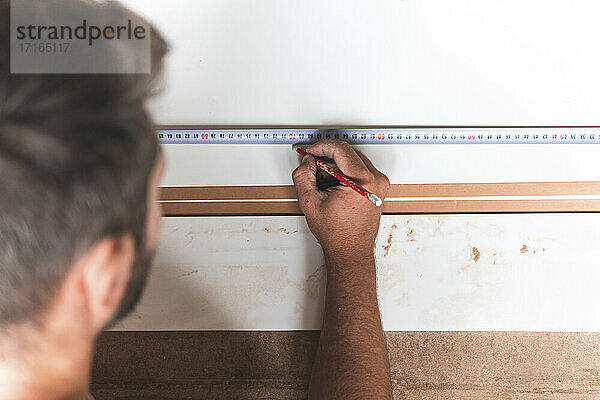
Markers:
<point>402,199</point>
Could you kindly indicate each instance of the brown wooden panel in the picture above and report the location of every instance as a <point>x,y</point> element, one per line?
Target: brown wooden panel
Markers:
<point>495,189</point>
<point>391,207</point>
<point>276,365</point>
<point>227,193</point>
<point>259,200</point>
<point>489,206</point>
<point>396,190</point>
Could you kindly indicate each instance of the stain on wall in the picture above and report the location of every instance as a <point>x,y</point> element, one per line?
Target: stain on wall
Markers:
<point>475,254</point>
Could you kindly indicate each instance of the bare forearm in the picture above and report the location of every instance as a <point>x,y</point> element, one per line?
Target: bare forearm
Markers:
<point>352,361</point>
<point>352,358</point>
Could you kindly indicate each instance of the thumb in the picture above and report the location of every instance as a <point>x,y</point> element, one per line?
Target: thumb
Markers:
<point>305,180</point>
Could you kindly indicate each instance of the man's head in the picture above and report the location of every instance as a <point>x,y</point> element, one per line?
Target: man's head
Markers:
<point>79,166</point>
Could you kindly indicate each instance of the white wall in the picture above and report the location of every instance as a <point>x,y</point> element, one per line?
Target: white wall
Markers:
<point>469,62</point>
<point>454,272</point>
<point>462,62</point>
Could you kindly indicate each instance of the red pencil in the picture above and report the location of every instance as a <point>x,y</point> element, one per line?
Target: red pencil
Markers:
<point>343,178</point>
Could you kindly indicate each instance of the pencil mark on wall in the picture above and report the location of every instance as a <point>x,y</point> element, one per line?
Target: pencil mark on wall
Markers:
<point>237,267</point>
<point>187,274</point>
<point>437,225</point>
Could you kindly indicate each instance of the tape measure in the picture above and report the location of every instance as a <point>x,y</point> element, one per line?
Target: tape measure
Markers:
<point>540,135</point>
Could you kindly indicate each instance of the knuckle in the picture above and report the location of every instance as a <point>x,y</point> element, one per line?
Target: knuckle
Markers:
<point>323,143</point>
<point>345,147</point>
<point>369,179</point>
<point>297,173</point>
<point>337,144</point>
<point>385,181</point>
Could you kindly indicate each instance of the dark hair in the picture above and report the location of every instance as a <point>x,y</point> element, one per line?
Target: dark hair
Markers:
<point>76,153</point>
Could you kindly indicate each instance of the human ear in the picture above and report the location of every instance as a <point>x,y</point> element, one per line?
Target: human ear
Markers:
<point>105,273</point>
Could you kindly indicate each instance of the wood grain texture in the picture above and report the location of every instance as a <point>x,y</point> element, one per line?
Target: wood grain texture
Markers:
<point>396,190</point>
<point>277,365</point>
<point>454,198</point>
<point>290,208</point>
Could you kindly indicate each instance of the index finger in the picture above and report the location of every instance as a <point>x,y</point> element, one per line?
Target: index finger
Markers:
<point>345,157</point>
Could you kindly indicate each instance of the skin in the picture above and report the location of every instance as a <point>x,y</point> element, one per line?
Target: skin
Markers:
<point>53,361</point>
<point>351,361</point>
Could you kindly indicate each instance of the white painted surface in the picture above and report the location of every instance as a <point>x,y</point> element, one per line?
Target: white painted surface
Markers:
<point>473,62</point>
<point>265,273</point>
<point>197,165</point>
<point>462,62</point>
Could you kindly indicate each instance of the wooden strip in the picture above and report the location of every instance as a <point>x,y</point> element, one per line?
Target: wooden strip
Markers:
<point>277,365</point>
<point>227,193</point>
<point>495,189</point>
<point>490,206</point>
<point>396,190</point>
<point>176,209</point>
<point>181,200</point>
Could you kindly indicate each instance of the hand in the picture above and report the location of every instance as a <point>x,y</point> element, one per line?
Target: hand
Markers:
<point>344,222</point>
